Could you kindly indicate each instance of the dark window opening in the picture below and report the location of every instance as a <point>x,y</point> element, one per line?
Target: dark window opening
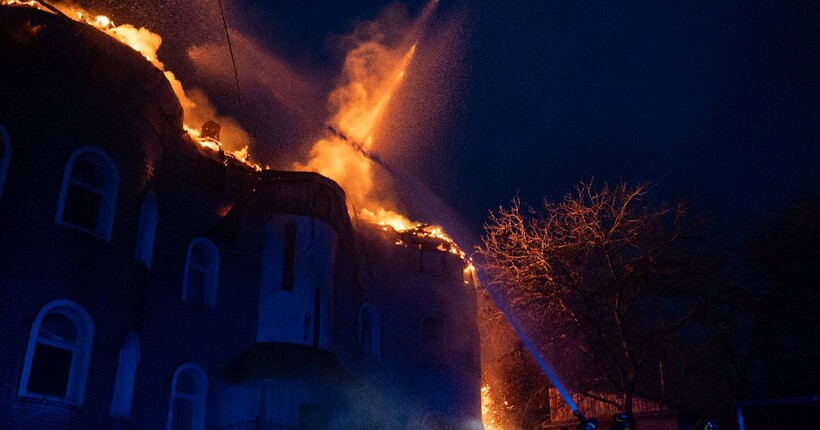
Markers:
<point>50,370</point>
<point>147,230</point>
<point>87,173</point>
<point>201,273</point>
<point>186,384</point>
<point>82,207</point>
<point>88,195</point>
<point>196,286</point>
<point>53,356</point>
<point>188,399</point>
<point>198,256</point>
<point>290,256</point>
<point>183,414</point>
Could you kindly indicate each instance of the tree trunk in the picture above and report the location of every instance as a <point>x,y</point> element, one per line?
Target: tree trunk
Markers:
<point>628,398</point>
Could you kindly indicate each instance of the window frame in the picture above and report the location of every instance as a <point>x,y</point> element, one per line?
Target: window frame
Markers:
<point>108,193</point>
<point>5,162</point>
<point>124,383</point>
<point>199,399</point>
<point>80,351</point>
<point>212,255</point>
<point>147,230</point>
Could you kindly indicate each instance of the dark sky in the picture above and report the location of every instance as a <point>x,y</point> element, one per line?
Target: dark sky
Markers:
<point>718,101</point>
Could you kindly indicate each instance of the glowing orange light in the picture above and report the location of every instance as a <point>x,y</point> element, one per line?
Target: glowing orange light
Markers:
<point>360,101</point>
<point>146,43</point>
<point>487,407</point>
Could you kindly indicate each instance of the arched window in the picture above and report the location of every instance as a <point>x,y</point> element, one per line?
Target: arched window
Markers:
<point>59,349</point>
<point>289,264</point>
<point>5,156</point>
<point>88,197</point>
<point>189,392</point>
<point>201,273</point>
<point>126,376</point>
<point>147,232</point>
<point>369,332</point>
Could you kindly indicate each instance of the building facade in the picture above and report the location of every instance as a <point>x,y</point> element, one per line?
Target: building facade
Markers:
<point>147,282</point>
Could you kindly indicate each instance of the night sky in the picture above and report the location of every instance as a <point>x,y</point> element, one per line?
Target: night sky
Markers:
<point>718,102</point>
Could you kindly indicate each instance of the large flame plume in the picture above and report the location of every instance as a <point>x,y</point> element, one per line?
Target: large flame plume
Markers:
<point>372,73</point>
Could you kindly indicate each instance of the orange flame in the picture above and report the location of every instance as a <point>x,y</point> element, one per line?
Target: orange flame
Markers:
<point>195,105</point>
<point>27,3</point>
<point>372,74</point>
<point>488,410</point>
<point>345,156</point>
<point>360,107</point>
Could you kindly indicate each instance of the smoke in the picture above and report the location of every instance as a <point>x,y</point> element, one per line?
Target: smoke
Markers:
<point>366,114</point>
<point>270,73</point>
<point>233,137</point>
<point>196,105</point>
<point>379,53</point>
<point>386,102</point>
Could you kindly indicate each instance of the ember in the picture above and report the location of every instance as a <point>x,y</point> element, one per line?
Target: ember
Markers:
<point>425,237</point>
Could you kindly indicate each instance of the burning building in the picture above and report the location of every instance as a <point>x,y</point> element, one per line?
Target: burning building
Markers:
<point>150,282</point>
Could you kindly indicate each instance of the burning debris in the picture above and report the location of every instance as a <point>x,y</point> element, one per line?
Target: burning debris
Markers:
<point>195,105</point>
<point>29,3</point>
<point>373,71</point>
<point>361,101</point>
<point>210,130</point>
<point>489,409</point>
<point>424,237</point>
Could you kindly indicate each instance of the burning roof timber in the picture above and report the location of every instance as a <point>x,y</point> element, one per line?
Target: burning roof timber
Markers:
<point>66,39</point>
<point>51,42</point>
<point>82,48</point>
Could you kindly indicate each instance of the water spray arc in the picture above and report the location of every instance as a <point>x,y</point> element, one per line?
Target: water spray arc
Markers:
<point>353,128</point>
<point>539,358</point>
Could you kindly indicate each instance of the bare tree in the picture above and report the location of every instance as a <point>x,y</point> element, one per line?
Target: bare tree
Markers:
<point>608,281</point>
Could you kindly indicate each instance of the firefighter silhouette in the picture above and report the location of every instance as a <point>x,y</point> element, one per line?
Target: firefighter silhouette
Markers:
<point>623,422</point>
<point>710,426</point>
<point>590,424</point>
